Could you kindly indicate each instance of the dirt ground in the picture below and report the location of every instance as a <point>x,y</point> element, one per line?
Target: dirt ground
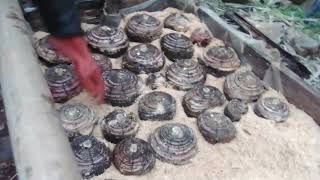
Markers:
<point>261,150</point>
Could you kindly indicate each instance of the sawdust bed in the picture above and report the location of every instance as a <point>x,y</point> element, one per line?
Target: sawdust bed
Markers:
<point>262,149</point>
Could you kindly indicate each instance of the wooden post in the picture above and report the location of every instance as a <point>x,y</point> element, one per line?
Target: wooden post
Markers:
<point>41,149</point>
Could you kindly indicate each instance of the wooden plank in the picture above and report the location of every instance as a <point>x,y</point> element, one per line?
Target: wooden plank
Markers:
<point>40,146</point>
<point>300,94</point>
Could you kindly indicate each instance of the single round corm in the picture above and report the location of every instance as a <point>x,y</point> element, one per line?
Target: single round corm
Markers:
<point>157,106</point>
<point>144,28</point>
<point>174,143</point>
<point>143,58</point>
<point>177,22</point>
<point>272,108</point>
<point>92,156</point>
<point>133,156</point>
<point>186,74</point>
<point>235,109</point>
<point>111,42</point>
<point>243,85</point>
<point>216,127</point>
<point>122,87</point>
<point>63,82</point>
<point>196,100</point>
<point>177,46</point>
<point>220,60</point>
<point>119,125</point>
<point>77,119</point>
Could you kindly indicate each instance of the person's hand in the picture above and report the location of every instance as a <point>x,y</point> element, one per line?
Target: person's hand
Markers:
<point>89,74</point>
<point>90,78</point>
